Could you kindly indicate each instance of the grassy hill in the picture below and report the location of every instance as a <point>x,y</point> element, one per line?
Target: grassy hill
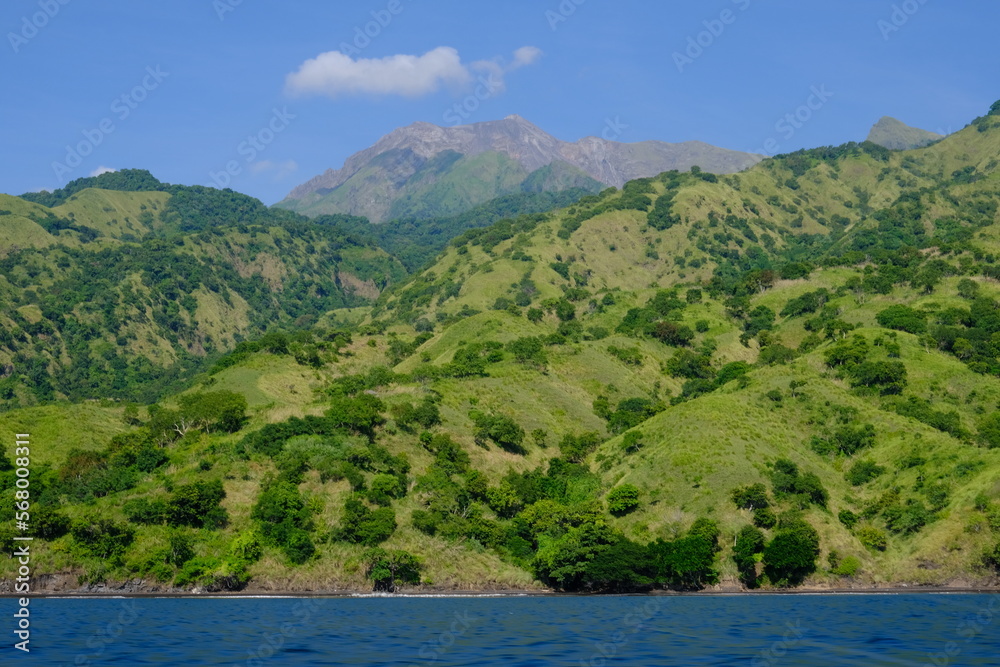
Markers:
<point>789,376</point>
<point>121,294</point>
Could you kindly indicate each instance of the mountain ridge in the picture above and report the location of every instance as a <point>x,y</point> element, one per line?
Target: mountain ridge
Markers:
<point>608,162</point>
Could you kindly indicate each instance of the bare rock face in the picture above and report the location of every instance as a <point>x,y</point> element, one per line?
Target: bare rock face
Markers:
<point>375,177</point>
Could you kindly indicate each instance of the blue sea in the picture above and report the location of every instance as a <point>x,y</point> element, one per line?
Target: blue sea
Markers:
<point>759,630</point>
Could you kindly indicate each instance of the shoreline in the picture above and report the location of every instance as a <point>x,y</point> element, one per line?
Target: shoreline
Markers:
<point>111,592</point>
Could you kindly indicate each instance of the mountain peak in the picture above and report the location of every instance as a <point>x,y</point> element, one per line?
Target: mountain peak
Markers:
<point>896,135</point>
<point>409,160</point>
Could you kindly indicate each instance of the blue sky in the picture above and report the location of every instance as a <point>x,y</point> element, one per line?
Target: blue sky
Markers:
<point>179,87</point>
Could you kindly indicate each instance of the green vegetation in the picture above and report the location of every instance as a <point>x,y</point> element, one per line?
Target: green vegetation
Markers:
<point>798,386</point>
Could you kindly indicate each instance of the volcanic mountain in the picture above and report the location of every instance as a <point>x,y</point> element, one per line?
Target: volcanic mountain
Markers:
<point>423,171</point>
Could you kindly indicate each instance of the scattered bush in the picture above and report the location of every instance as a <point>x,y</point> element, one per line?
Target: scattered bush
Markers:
<point>623,499</point>
<point>863,471</point>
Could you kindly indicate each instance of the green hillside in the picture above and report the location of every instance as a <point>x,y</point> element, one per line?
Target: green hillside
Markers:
<point>416,241</point>
<point>785,377</point>
<point>123,294</point>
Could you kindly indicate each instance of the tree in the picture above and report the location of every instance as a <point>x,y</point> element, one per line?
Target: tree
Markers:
<point>501,429</point>
<point>747,552</point>
<point>197,504</point>
<point>989,431</point>
<point>389,569</point>
<point>968,289</point>
<point>751,496</point>
<point>903,318</point>
<point>888,377</point>
<point>503,500</point>
<point>791,556</point>
<point>623,499</point>
<point>671,333</point>
<point>364,526</point>
<point>360,413</point>
<point>689,364</point>
<point>686,563</point>
<point>384,488</point>
<point>284,520</point>
<point>565,310</point>
<point>576,448</point>
<point>529,350</point>
<point>216,410</point>
<point>591,556</point>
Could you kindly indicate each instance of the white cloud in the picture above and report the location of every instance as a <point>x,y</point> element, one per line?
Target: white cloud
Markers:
<point>526,55</point>
<point>280,170</point>
<point>335,74</point>
<point>102,170</point>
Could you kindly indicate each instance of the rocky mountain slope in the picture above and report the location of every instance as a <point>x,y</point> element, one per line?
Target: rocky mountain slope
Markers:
<point>898,136</point>
<point>423,170</point>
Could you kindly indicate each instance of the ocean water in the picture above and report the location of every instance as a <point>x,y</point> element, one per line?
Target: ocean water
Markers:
<point>771,630</point>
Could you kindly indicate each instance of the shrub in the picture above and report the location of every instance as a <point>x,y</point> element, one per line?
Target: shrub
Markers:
<point>529,350</point>
<point>992,557</point>
<point>145,511</point>
<point>907,519</point>
<point>847,440</point>
<point>872,537</point>
<point>501,429</point>
<point>989,431</point>
<point>388,569</point>
<point>751,496</point>
<point>576,448</point>
<point>787,481</point>
<point>623,499</point>
<point>48,523</point>
<point>632,442</point>
<point>424,521</point>
<point>181,549</point>
<point>197,504</point>
<point>103,538</point>
<point>848,518</point>
<point>631,355</point>
<point>364,526</point>
<point>384,488</point>
<point>688,364</point>
<point>903,318</point>
<point>863,471</point>
<point>888,377</point>
<point>764,517</point>
<point>847,567</point>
